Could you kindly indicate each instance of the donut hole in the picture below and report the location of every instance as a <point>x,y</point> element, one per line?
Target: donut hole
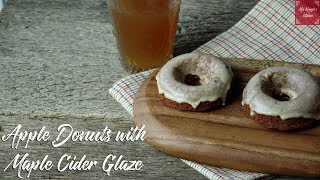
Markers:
<point>282,87</point>
<point>192,80</point>
<point>279,95</point>
<point>193,73</point>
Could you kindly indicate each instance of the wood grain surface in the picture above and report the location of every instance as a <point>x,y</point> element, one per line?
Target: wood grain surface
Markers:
<point>228,137</point>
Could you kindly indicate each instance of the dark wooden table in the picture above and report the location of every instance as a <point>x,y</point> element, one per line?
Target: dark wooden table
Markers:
<point>57,61</point>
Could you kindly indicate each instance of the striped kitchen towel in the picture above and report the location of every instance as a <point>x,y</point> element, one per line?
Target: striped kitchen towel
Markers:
<point>268,32</point>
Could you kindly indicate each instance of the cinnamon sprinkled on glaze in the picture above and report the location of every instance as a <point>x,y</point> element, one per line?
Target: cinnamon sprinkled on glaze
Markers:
<point>215,78</point>
<point>286,92</point>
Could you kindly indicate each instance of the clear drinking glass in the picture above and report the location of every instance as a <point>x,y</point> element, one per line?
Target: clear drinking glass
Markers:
<point>145,31</point>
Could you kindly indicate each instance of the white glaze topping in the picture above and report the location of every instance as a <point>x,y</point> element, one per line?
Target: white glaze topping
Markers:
<point>215,78</point>
<point>302,88</point>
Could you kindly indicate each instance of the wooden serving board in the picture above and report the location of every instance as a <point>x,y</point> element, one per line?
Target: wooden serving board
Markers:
<point>228,137</point>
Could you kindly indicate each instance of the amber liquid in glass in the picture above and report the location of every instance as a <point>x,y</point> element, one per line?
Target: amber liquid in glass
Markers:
<point>145,31</point>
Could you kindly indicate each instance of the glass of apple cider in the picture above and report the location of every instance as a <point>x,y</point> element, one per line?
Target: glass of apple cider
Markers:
<point>145,31</point>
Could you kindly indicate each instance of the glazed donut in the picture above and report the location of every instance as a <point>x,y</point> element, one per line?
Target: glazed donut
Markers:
<point>281,97</point>
<point>194,82</point>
